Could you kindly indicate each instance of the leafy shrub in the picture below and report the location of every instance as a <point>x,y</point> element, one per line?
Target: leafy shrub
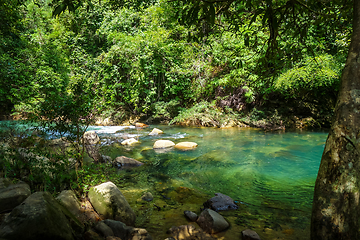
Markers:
<point>311,77</point>
<point>165,110</point>
<point>205,114</point>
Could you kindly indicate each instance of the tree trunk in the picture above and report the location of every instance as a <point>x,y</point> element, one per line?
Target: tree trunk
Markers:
<point>336,208</point>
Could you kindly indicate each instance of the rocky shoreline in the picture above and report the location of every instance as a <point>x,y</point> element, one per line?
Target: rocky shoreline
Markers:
<point>104,214</point>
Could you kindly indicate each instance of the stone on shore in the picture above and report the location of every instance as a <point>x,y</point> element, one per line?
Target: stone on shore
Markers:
<point>163,144</point>
<point>11,195</point>
<point>68,199</point>
<point>212,222</point>
<point>109,202</point>
<point>40,216</point>
<point>191,216</point>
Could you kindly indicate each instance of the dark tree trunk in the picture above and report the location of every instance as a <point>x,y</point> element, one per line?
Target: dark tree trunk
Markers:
<point>336,209</point>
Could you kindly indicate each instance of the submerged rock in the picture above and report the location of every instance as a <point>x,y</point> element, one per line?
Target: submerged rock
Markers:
<point>250,235</point>
<point>147,197</point>
<point>221,202</point>
<point>108,201</point>
<point>11,195</point>
<point>125,162</point>
<point>163,144</point>
<point>212,222</point>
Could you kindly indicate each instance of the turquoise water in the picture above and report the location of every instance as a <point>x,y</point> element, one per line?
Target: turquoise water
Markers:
<point>269,174</point>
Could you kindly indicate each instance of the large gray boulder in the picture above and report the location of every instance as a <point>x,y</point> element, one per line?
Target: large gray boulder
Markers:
<point>91,140</point>
<point>11,195</point>
<point>111,203</point>
<point>212,222</point>
<point>40,216</point>
<point>68,199</point>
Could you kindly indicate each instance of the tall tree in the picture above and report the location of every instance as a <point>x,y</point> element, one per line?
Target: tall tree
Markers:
<point>336,208</point>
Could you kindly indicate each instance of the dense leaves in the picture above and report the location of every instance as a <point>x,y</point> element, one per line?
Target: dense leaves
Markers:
<point>130,57</point>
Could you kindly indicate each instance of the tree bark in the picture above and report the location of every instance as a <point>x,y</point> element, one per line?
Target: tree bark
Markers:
<point>336,209</point>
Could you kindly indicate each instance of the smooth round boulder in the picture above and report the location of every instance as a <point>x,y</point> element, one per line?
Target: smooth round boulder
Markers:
<point>186,145</point>
<point>212,222</point>
<point>155,132</point>
<point>163,144</point>
<point>108,201</point>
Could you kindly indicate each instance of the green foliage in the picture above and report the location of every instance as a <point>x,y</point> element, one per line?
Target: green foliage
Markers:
<point>165,110</point>
<point>318,76</point>
<point>205,114</point>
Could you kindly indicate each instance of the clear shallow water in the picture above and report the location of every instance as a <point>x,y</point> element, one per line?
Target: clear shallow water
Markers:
<point>270,174</point>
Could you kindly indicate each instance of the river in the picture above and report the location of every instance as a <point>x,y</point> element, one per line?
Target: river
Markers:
<point>270,175</point>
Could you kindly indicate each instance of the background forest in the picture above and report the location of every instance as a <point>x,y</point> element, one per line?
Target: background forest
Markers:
<point>142,59</point>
